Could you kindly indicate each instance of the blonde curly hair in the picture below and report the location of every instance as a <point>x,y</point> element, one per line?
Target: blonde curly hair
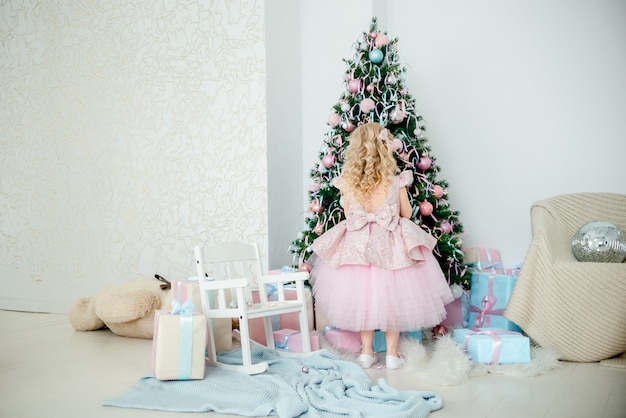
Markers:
<point>369,161</point>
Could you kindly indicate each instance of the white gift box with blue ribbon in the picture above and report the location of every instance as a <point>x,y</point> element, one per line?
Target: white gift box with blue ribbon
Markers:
<point>179,343</point>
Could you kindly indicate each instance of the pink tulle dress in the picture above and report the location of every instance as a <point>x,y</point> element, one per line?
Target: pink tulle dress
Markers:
<point>377,270</point>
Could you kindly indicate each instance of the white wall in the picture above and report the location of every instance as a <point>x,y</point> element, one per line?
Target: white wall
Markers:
<point>523,99</point>
<point>284,122</point>
<point>105,111</point>
<point>129,131</point>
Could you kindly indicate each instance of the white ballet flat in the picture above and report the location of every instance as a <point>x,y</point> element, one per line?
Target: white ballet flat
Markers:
<point>366,361</point>
<point>393,362</point>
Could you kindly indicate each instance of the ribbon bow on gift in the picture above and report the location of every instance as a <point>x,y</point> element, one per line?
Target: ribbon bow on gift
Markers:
<point>483,319</point>
<point>186,309</point>
<point>384,216</point>
<point>489,264</point>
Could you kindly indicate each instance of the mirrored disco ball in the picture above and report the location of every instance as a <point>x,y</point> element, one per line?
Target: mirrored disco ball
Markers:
<point>600,242</point>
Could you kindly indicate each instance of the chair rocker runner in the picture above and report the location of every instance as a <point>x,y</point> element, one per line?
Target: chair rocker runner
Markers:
<point>227,275</point>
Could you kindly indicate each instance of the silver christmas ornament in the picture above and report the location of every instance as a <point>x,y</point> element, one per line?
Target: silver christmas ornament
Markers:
<point>600,242</point>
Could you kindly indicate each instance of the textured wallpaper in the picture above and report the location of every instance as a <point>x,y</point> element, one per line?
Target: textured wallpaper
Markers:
<point>129,131</point>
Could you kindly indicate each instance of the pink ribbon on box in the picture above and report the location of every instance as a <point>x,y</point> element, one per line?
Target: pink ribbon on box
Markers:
<point>497,341</point>
<point>483,319</point>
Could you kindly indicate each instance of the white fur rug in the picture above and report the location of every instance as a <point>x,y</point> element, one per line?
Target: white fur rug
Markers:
<point>441,361</point>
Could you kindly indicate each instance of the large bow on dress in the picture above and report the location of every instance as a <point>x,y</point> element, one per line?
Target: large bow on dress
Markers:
<point>384,216</point>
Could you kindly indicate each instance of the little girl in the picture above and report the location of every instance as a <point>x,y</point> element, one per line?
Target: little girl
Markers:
<point>375,270</point>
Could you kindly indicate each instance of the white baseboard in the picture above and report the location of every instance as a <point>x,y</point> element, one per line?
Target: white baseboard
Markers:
<point>43,306</point>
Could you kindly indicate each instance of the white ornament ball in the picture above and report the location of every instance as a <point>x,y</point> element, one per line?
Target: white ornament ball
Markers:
<point>457,290</point>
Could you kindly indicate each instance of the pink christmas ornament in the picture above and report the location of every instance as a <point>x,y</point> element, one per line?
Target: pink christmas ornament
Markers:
<point>424,163</point>
<point>315,206</point>
<point>369,88</point>
<point>381,40</point>
<point>349,127</point>
<point>374,34</point>
<point>304,266</point>
<point>426,208</point>
<point>446,227</point>
<point>328,160</point>
<point>319,229</point>
<point>440,330</point>
<point>367,105</point>
<point>397,144</point>
<point>437,191</point>
<point>333,119</point>
<point>354,85</point>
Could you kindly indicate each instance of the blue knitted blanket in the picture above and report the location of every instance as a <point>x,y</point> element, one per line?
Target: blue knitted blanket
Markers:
<point>331,388</point>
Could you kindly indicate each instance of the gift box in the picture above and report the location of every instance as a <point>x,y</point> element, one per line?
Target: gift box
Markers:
<point>380,344</point>
<point>457,312</point>
<point>493,345</point>
<point>483,259</point>
<point>284,321</point>
<point>489,295</point>
<point>291,340</point>
<point>349,341</point>
<point>513,271</point>
<point>187,289</point>
<point>179,343</point>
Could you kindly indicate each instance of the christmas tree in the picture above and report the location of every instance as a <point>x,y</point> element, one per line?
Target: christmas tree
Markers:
<point>375,91</point>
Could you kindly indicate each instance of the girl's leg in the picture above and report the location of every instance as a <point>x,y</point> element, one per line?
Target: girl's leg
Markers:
<point>367,342</point>
<point>392,338</point>
<point>367,358</point>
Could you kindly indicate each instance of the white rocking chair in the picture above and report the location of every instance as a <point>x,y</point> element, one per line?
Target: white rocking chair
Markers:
<point>227,275</point>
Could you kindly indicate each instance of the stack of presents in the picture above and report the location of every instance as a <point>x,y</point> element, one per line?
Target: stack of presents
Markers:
<point>476,320</point>
<point>484,333</point>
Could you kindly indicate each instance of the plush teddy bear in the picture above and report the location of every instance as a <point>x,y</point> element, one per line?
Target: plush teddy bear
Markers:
<point>127,309</point>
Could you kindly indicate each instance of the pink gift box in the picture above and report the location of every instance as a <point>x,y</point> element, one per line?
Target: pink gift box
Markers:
<point>483,259</point>
<point>186,289</point>
<point>349,341</point>
<point>284,321</point>
<point>291,340</point>
<point>513,272</point>
<point>457,312</point>
<point>176,355</point>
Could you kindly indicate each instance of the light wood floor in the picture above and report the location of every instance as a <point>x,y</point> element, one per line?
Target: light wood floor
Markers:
<point>49,370</point>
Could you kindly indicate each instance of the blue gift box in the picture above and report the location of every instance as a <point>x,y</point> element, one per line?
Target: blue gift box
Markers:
<point>493,345</point>
<point>380,345</point>
<point>489,295</point>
